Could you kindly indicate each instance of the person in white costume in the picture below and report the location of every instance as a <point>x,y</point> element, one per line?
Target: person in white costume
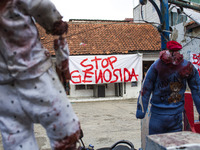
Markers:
<point>29,86</point>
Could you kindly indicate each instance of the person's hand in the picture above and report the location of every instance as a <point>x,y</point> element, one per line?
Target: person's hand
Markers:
<point>60,27</point>
<point>69,142</point>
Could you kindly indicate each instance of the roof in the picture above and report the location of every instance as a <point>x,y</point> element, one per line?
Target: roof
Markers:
<point>98,38</point>
<point>192,25</point>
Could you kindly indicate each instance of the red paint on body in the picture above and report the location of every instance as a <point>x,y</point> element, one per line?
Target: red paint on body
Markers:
<point>68,142</point>
<point>187,71</point>
<point>3,4</point>
<point>60,27</point>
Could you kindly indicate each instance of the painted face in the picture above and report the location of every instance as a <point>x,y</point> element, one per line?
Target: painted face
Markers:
<point>168,57</point>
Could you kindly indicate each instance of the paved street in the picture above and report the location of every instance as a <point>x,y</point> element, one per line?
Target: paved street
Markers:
<point>103,123</point>
<point>107,122</point>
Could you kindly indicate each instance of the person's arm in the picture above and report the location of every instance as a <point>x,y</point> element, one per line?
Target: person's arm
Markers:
<point>194,85</point>
<point>145,93</point>
<point>62,58</point>
<point>45,13</point>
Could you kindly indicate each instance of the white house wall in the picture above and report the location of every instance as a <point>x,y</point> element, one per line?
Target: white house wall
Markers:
<point>80,93</point>
<point>150,56</point>
<point>149,12</point>
<point>132,92</point>
<point>190,45</point>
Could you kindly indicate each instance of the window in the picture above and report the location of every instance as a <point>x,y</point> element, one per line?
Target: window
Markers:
<point>90,86</point>
<point>80,87</point>
<point>134,83</point>
<point>175,18</point>
<point>84,87</point>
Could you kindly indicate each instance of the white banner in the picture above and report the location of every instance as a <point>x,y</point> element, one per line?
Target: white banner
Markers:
<point>195,59</point>
<point>98,69</point>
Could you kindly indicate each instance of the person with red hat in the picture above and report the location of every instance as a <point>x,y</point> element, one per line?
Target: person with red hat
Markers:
<point>164,85</point>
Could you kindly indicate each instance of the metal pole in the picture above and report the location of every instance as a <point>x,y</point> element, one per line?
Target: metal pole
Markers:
<point>165,23</point>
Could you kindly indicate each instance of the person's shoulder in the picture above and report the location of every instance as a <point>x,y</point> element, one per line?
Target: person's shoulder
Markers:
<point>155,64</point>
<point>186,62</point>
<point>158,62</point>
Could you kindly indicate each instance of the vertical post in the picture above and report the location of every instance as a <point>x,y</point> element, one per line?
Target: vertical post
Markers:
<point>165,23</point>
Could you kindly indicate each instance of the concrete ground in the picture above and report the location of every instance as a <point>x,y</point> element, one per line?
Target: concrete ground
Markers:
<point>103,123</point>
<point>107,122</point>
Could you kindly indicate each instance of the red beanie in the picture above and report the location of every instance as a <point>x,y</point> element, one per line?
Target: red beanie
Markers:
<point>174,46</point>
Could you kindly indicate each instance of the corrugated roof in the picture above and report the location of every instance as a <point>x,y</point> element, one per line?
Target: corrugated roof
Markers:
<point>90,37</point>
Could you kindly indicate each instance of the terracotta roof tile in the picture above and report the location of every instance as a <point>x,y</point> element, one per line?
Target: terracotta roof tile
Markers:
<point>106,38</point>
<point>190,23</point>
